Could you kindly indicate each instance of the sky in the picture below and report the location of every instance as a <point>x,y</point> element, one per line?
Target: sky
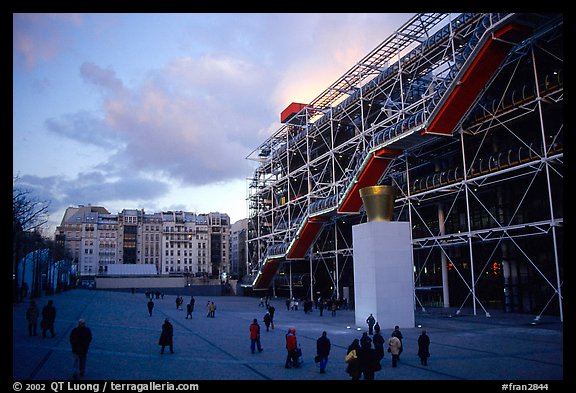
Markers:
<point>159,111</point>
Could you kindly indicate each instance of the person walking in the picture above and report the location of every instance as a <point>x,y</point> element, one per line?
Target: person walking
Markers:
<point>32,314</point>
<point>377,327</point>
<point>379,342</point>
<point>353,367</point>
<point>48,318</point>
<point>189,309</point>
<point>323,350</point>
<point>166,336</point>
<point>80,339</point>
<point>271,310</point>
<point>394,345</point>
<point>368,360</point>
<point>334,307</point>
<point>212,310</point>
<point>255,336</point>
<point>150,306</point>
<point>292,349</point>
<point>267,319</point>
<point>423,348</point>
<point>397,333</point>
<point>192,303</point>
<point>371,321</point>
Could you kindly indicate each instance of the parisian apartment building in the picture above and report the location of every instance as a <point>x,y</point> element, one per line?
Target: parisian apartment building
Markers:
<point>175,242</point>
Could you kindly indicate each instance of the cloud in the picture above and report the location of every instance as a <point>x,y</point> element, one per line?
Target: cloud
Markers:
<point>40,37</point>
<point>187,120</point>
<point>92,187</point>
<point>83,127</point>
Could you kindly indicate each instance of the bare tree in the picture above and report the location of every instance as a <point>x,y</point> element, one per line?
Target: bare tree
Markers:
<point>28,216</point>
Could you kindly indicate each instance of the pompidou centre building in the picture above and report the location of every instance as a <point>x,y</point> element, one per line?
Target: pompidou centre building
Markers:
<point>463,115</point>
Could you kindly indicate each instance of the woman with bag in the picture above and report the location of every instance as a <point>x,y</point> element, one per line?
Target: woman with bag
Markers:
<point>292,349</point>
<point>353,368</point>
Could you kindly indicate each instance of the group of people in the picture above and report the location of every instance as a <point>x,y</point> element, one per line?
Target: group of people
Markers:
<point>80,337</point>
<point>47,321</point>
<point>362,359</point>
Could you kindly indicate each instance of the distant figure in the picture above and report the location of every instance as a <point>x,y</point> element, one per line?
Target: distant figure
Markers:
<point>291,349</point>
<point>267,319</point>
<point>255,336</point>
<point>321,305</point>
<point>23,290</point>
<point>212,310</point>
<point>424,348</point>
<point>322,351</point>
<point>32,314</point>
<point>288,304</point>
<point>261,304</point>
<point>190,308</point>
<point>80,338</point>
<point>334,307</point>
<point>353,368</point>
<point>365,340</point>
<point>192,302</point>
<point>397,333</point>
<point>370,321</point>
<point>271,310</point>
<point>394,345</point>
<point>150,306</point>
<point>166,336</point>
<point>48,318</point>
<point>377,327</point>
<point>368,360</point>
<point>379,342</point>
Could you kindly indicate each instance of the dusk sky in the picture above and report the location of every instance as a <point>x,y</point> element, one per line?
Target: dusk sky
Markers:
<point>159,111</point>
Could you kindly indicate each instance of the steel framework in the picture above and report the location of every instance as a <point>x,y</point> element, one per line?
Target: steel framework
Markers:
<point>464,115</point>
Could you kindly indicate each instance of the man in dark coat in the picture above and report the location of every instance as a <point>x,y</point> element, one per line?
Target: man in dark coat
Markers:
<point>166,336</point>
<point>80,338</point>
<point>32,318</point>
<point>379,342</point>
<point>271,310</point>
<point>267,319</point>
<point>48,318</point>
<point>150,306</point>
<point>323,350</point>
<point>368,360</point>
<point>370,321</point>
<point>423,348</point>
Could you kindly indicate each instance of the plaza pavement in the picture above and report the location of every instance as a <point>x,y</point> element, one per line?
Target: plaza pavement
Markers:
<point>504,347</point>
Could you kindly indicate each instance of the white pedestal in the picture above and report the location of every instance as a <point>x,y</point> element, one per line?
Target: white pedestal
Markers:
<point>383,274</point>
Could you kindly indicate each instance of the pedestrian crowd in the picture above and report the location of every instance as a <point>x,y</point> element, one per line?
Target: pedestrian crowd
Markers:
<point>363,356</point>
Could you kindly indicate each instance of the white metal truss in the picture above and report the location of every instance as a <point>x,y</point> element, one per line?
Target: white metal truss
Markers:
<point>385,100</point>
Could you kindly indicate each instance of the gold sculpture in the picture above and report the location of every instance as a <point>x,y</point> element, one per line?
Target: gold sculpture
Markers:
<point>378,202</point>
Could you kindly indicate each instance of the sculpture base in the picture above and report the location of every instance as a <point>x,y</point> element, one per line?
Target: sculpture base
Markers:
<point>383,274</point>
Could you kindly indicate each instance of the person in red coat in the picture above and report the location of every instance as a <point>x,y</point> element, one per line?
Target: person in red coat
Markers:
<point>291,348</point>
<point>255,336</point>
